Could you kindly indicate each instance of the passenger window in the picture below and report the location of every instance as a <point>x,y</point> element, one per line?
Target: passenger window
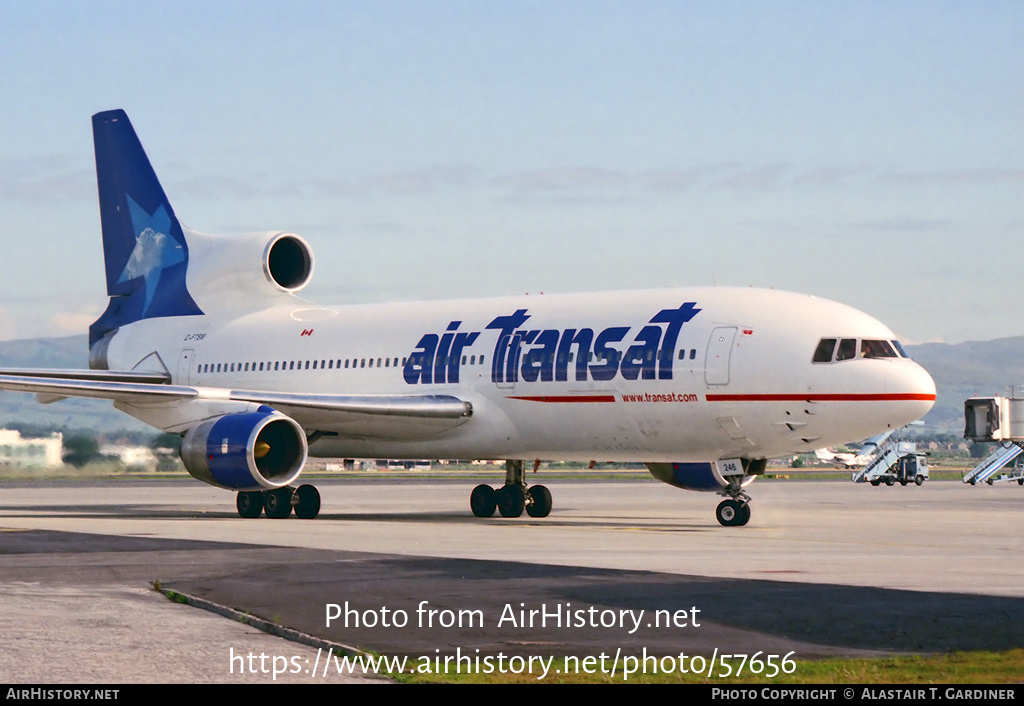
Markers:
<point>847,349</point>
<point>823,353</point>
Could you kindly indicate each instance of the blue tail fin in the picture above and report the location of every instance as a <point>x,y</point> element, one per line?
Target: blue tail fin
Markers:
<point>144,249</point>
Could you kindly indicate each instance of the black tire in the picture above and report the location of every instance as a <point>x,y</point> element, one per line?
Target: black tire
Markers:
<point>307,504</point>
<point>728,513</point>
<point>278,503</point>
<point>540,501</point>
<point>889,480</point>
<point>249,504</point>
<point>875,482</point>
<point>511,500</point>
<point>744,516</point>
<point>483,501</point>
<point>919,480</point>
<point>903,482</point>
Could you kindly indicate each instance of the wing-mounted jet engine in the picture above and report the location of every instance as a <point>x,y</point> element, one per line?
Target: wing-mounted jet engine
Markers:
<point>257,454</point>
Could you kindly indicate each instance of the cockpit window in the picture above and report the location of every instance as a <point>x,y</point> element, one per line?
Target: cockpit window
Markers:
<point>834,349</point>
<point>876,349</point>
<point>847,349</point>
<point>823,353</point>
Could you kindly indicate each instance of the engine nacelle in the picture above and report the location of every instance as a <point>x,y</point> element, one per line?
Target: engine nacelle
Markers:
<point>259,450</point>
<point>708,476</point>
<point>237,269</point>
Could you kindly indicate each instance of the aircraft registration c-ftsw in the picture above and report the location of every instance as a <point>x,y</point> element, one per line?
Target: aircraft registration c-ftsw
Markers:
<point>205,336</point>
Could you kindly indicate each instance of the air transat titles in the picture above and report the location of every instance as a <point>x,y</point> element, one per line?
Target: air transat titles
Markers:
<point>547,355</point>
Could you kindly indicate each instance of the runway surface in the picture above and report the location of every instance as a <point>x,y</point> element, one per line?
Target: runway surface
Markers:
<point>822,568</point>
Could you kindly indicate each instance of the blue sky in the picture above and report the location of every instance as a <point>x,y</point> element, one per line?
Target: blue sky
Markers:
<point>868,152</point>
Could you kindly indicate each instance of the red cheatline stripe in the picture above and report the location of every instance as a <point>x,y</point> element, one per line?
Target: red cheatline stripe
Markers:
<point>568,398</point>
<point>867,397</point>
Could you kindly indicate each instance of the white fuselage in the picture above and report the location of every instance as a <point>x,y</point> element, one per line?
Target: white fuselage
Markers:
<point>696,374</point>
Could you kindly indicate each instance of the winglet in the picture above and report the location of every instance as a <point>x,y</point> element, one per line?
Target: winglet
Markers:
<point>144,249</point>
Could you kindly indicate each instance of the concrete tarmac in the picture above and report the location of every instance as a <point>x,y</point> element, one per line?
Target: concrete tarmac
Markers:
<point>823,568</point>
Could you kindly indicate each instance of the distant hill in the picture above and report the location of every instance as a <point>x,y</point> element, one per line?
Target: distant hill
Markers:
<point>18,408</point>
<point>960,371</point>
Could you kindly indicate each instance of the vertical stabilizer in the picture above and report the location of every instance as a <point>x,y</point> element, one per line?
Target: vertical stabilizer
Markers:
<point>144,249</point>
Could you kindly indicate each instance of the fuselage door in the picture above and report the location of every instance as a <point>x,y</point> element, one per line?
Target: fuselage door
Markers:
<point>505,366</point>
<point>184,376</point>
<point>716,363</point>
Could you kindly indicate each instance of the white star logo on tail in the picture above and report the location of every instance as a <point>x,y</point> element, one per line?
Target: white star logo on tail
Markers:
<point>155,248</point>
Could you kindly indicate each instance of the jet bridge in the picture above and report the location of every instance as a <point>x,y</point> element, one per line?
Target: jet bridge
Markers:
<point>997,419</point>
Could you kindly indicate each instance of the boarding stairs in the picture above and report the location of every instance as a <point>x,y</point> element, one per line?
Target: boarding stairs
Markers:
<point>888,453</point>
<point>985,472</point>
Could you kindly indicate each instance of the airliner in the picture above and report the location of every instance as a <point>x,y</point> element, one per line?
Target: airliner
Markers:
<point>205,336</point>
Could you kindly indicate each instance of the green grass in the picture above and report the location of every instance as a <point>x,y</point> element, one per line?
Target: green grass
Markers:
<point>958,668</point>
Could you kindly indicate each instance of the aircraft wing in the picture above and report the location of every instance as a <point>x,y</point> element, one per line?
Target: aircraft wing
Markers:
<point>53,385</point>
<point>388,416</point>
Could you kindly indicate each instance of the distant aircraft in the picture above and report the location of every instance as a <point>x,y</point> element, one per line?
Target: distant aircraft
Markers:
<point>850,460</point>
<point>205,336</point>
<point>829,456</point>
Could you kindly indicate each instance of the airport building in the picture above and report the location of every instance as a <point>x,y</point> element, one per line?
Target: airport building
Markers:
<point>45,452</point>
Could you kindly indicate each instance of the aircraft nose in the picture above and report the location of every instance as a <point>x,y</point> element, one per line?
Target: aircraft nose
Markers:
<point>919,389</point>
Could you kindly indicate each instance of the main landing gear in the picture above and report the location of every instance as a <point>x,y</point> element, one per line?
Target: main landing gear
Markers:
<point>513,497</point>
<point>734,511</point>
<point>278,503</point>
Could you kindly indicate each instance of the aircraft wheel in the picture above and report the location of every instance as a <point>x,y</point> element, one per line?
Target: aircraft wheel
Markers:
<point>511,500</point>
<point>249,504</point>
<point>278,503</point>
<point>483,501</point>
<point>919,480</point>
<point>744,516</point>
<point>540,501</point>
<point>307,504</point>
<point>729,513</point>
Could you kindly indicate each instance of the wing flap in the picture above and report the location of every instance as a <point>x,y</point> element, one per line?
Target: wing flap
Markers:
<point>368,416</point>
